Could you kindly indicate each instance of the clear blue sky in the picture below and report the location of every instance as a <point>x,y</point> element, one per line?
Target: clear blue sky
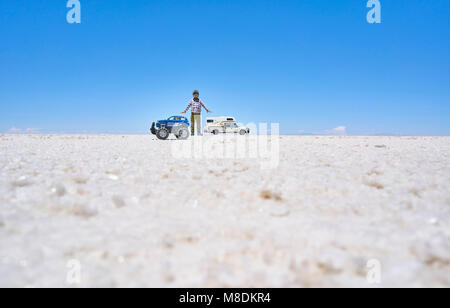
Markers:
<point>311,65</point>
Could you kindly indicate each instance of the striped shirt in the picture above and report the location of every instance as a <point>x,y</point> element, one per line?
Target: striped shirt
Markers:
<point>196,106</point>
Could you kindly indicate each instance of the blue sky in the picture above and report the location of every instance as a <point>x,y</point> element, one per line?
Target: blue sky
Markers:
<point>310,65</point>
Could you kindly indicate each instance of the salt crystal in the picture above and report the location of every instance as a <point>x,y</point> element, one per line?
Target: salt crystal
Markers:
<point>433,221</point>
<point>58,190</point>
<point>85,210</point>
<point>280,211</point>
<point>135,199</point>
<point>168,241</point>
<point>21,182</point>
<point>113,177</point>
<point>118,201</point>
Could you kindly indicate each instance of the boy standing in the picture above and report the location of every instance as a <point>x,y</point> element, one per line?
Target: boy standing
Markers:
<point>196,105</point>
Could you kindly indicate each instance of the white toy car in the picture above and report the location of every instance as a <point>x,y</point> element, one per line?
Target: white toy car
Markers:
<point>224,125</point>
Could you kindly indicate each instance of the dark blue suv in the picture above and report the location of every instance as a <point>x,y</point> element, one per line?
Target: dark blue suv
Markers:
<point>177,125</point>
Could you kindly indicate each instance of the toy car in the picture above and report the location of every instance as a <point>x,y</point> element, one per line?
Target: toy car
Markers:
<point>224,125</point>
<point>177,125</point>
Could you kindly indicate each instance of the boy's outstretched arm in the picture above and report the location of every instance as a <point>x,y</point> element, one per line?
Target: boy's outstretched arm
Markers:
<point>187,108</point>
<point>207,110</point>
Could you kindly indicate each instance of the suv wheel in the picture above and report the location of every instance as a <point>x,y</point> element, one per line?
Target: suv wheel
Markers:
<point>162,134</point>
<point>182,134</point>
<point>215,132</point>
<point>242,132</point>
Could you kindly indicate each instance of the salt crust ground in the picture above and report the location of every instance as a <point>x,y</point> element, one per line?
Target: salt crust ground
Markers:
<point>134,215</point>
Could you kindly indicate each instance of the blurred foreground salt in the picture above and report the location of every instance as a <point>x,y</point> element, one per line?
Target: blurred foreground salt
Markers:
<point>134,215</point>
